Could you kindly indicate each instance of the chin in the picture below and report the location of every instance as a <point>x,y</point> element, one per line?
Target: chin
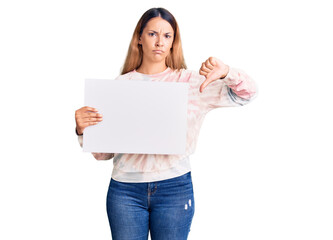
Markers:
<point>159,58</point>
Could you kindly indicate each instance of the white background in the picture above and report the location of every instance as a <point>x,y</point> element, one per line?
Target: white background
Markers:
<point>263,171</point>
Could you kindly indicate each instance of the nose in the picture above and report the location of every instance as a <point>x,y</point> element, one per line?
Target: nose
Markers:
<point>159,42</point>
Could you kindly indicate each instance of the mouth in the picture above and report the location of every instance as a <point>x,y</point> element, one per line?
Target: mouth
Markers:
<point>158,51</point>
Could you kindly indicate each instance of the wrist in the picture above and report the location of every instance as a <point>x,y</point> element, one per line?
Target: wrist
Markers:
<point>79,133</point>
<point>226,73</point>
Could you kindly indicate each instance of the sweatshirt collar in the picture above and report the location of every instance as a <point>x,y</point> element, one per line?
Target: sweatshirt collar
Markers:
<point>153,75</point>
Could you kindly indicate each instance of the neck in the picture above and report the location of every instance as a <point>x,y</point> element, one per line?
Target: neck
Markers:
<point>152,68</point>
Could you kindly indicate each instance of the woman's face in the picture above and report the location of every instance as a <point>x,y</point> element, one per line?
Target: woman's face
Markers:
<point>156,40</point>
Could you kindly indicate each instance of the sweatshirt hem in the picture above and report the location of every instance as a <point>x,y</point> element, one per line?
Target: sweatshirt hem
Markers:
<point>136,177</point>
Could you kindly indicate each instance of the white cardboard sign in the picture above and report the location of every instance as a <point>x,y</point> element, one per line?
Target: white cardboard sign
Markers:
<point>142,117</point>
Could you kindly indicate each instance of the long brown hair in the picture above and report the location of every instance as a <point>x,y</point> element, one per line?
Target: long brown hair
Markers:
<point>175,60</point>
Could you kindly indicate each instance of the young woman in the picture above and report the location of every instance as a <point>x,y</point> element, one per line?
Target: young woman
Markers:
<point>154,192</point>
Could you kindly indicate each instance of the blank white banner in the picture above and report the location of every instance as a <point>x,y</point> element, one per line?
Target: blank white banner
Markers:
<point>138,116</point>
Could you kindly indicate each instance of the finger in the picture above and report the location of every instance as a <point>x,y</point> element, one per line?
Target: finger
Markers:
<point>212,60</point>
<point>204,68</point>
<point>88,115</point>
<point>203,73</point>
<point>203,85</point>
<point>82,111</point>
<point>209,64</point>
<point>86,108</point>
<point>92,119</point>
<point>206,82</point>
<point>84,123</point>
<point>87,124</point>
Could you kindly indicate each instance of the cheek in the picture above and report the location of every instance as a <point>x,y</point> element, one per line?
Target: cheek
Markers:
<point>147,45</point>
<point>169,44</point>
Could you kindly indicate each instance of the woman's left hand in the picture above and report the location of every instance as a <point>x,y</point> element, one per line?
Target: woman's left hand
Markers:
<point>213,69</point>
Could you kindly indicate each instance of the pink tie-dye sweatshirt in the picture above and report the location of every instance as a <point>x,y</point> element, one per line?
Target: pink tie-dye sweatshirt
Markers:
<point>236,89</point>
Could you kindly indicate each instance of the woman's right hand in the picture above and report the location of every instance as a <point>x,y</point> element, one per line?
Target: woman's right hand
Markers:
<point>86,116</point>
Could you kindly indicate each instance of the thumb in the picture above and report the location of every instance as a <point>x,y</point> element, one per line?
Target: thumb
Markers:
<point>206,82</point>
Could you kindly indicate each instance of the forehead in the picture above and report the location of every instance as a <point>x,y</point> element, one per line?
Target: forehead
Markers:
<point>158,24</point>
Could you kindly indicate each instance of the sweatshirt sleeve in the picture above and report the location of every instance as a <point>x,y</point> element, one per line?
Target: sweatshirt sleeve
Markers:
<point>97,156</point>
<point>236,89</point>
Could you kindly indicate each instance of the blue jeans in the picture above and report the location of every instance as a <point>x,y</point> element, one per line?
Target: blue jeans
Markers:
<point>166,208</point>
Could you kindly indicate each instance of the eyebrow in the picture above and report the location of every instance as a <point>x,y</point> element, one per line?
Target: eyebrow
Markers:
<point>157,32</point>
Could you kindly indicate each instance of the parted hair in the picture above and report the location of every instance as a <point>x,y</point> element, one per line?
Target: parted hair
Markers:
<point>175,60</point>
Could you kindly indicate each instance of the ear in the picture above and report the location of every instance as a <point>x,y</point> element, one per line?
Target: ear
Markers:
<point>140,41</point>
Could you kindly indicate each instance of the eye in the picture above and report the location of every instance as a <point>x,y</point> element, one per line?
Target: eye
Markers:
<point>168,36</point>
<point>151,34</point>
